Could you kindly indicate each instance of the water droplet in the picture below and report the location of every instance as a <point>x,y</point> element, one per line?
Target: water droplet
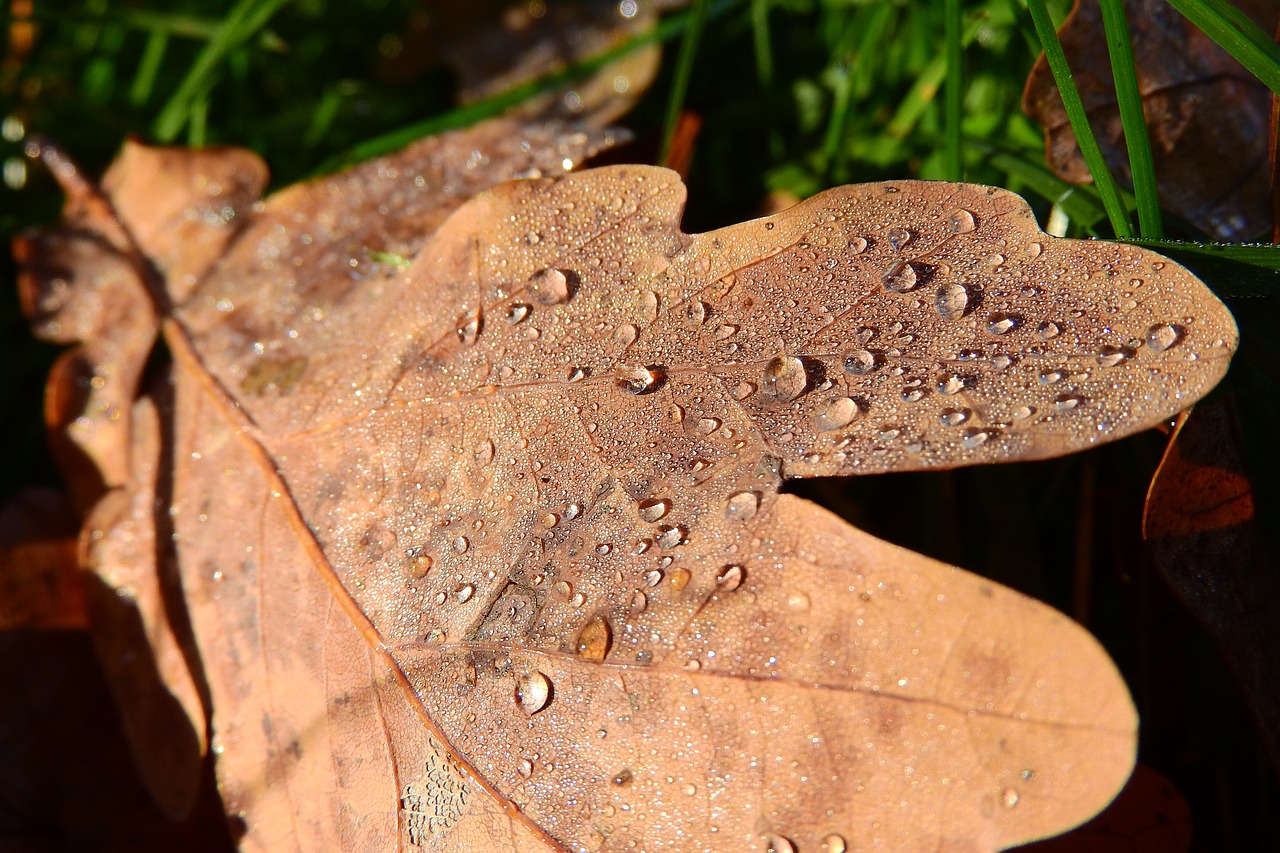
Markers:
<point>635,379</point>
<point>779,844</point>
<point>550,286</point>
<point>572,511</point>
<point>1001,323</point>
<point>533,692</point>
<point>1000,362</point>
<point>785,378</point>
<point>680,579</point>
<point>954,417</point>
<point>1161,336</point>
<point>898,238</point>
<point>861,362</point>
<point>604,549</point>
<point>834,843</point>
<point>461,544</point>
<point>696,312</point>
<point>652,578</point>
<point>563,588</point>
<point>419,563</point>
<point>975,438</point>
<point>594,639</point>
<point>900,277</point>
<point>961,221</point>
<point>1034,250</point>
<point>730,577</point>
<point>1050,376</point>
<point>836,413</point>
<point>578,599</point>
<point>1066,402</point>
<point>484,453</point>
<point>622,778</point>
<point>525,768</point>
<point>949,384</point>
<point>533,238</point>
<point>639,601</point>
<point>741,506</point>
<point>857,245</point>
<point>670,537</point>
<point>1110,356</point>
<point>550,519</point>
<point>799,601</point>
<point>439,598</point>
<point>518,312</point>
<point>469,331</point>
<point>653,509</point>
<point>465,592</point>
<point>1009,798</point>
<point>575,374</point>
<point>888,433</point>
<point>725,331</point>
<point>951,301</point>
<point>625,334</point>
<point>1047,330</point>
<point>706,426</point>
<point>742,391</point>
<point>1022,413</point>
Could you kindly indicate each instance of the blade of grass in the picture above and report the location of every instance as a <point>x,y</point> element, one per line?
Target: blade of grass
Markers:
<point>1115,23</point>
<point>244,20</point>
<point>684,70</point>
<point>1230,269</point>
<point>763,47</point>
<point>953,96</point>
<point>501,102</point>
<point>148,68</point>
<point>1231,30</point>
<point>1057,60</point>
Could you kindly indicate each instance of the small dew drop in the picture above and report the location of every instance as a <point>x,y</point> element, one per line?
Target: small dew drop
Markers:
<point>670,537</point>
<point>706,426</point>
<point>742,391</point>
<point>625,334</point>
<point>1161,336</point>
<point>465,592</point>
<point>622,778</point>
<point>949,384</point>
<point>533,692</point>
<point>680,579</point>
<point>639,601</point>
<point>898,238</point>
<point>836,413</point>
<point>550,287</point>
<point>1050,376</point>
<point>696,312</point>
<point>912,395</point>
<point>741,506</point>
<point>636,379</point>
<point>951,301</point>
<point>954,417</point>
<point>730,577</point>
<point>595,639</point>
<point>1110,356</point>
<point>1034,250</point>
<point>779,844</point>
<point>1001,323</point>
<point>484,453</point>
<point>525,768</point>
<point>461,544</point>
<point>975,438</point>
<point>653,509</point>
<point>834,843</point>
<point>857,245</point>
<point>784,379</point>
<point>469,330</point>
<point>1009,798</point>
<point>961,221</point>
<point>419,563</point>
<point>518,312</point>
<point>1022,413</point>
<point>1048,330</point>
<point>900,277</point>
<point>1066,402</point>
<point>861,362</point>
<point>725,331</point>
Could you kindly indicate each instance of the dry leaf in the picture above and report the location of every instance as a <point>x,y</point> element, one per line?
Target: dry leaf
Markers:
<point>1187,84</point>
<point>489,553</point>
<point>1204,537</point>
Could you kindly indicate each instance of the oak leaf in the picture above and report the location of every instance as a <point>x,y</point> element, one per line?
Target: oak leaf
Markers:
<point>489,552</point>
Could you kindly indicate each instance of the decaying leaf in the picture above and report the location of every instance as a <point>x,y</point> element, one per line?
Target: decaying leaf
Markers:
<point>489,552</point>
<point>1187,84</point>
<point>1204,537</point>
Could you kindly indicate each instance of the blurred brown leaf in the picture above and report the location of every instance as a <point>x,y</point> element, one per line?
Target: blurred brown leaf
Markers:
<point>1204,538</point>
<point>1188,85</point>
<point>487,552</point>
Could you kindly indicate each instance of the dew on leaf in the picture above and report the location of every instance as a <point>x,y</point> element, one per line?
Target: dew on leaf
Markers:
<point>836,413</point>
<point>550,287</point>
<point>784,378</point>
<point>595,639</point>
<point>533,692</point>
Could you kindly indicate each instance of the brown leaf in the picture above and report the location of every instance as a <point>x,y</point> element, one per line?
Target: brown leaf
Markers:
<point>489,553</point>
<point>1204,537</point>
<point>1187,85</point>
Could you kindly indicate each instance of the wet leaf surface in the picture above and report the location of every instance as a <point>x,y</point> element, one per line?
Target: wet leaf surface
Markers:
<point>487,550</point>
<point>1187,84</point>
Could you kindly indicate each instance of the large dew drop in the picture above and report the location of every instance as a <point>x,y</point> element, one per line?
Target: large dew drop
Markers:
<point>1161,336</point>
<point>900,277</point>
<point>741,506</point>
<point>533,692</point>
<point>550,287</point>
<point>836,413</point>
<point>951,301</point>
<point>653,509</point>
<point>861,362</point>
<point>784,379</point>
<point>594,639</point>
<point>635,379</point>
<point>961,221</point>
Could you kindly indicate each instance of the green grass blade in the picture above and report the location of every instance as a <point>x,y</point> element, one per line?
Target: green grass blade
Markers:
<point>244,20</point>
<point>761,42</point>
<point>684,70</point>
<point>148,68</point>
<point>953,96</point>
<point>1116,25</point>
<point>1237,35</point>
<point>1230,269</point>
<point>1057,60</point>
